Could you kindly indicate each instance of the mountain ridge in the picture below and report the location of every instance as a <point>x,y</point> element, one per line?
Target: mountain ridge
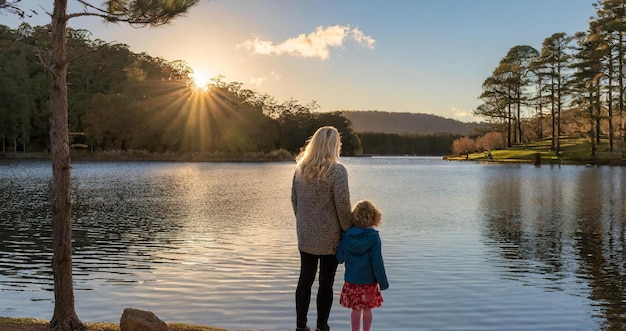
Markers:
<point>409,123</point>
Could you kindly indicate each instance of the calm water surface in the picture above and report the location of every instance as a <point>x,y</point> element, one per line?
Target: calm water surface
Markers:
<point>466,246</point>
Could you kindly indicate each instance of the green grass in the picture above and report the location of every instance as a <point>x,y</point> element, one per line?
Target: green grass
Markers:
<point>574,150</point>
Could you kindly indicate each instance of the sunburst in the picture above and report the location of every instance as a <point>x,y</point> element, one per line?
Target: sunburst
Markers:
<point>201,81</point>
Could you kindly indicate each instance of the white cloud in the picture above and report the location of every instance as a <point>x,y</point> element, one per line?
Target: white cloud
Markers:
<point>362,39</point>
<point>258,81</point>
<point>316,44</point>
<point>462,113</point>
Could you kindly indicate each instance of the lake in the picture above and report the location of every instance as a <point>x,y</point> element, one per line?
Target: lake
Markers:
<point>466,246</point>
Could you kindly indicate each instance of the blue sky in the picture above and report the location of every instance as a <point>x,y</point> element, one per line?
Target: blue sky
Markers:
<point>388,55</point>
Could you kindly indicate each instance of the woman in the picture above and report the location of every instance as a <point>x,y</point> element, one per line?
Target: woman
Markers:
<point>321,202</point>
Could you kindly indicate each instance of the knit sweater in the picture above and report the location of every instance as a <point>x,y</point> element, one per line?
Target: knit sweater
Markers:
<point>322,209</point>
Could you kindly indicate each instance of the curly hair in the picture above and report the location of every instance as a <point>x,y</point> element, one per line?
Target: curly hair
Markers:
<point>365,214</point>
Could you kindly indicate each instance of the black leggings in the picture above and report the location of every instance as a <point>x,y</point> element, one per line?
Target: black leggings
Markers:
<point>308,269</point>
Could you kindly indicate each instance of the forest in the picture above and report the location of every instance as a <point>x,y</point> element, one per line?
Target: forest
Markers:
<point>120,100</point>
<point>572,85</point>
<point>124,101</point>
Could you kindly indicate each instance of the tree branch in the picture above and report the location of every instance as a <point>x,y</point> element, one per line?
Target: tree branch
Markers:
<point>87,52</point>
<point>11,7</point>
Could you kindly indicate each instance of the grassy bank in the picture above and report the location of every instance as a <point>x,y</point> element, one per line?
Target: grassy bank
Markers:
<point>31,324</point>
<point>574,150</point>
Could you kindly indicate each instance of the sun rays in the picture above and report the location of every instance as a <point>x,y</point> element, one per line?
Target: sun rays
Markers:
<point>188,118</point>
<point>201,81</point>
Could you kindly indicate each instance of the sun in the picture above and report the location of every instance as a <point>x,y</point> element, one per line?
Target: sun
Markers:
<point>201,81</point>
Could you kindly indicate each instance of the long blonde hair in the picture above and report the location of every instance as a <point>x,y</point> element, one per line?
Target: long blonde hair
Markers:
<point>320,153</point>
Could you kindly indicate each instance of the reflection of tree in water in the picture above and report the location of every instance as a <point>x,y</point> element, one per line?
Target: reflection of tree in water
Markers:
<point>568,229</point>
<point>130,219</point>
<point>123,221</point>
<point>526,227</point>
<point>116,228</point>
<point>600,242</point>
<point>26,232</point>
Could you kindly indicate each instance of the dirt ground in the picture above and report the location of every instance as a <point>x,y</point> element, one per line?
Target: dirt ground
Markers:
<point>43,326</point>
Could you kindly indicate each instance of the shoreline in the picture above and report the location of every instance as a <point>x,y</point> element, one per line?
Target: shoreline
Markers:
<point>137,155</point>
<point>34,324</point>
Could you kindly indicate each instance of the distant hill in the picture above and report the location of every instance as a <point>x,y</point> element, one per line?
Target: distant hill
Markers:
<point>409,123</point>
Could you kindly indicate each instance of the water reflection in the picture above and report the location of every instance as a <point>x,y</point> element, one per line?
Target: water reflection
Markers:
<point>566,225</point>
<point>27,246</point>
<point>600,243</point>
<point>467,247</point>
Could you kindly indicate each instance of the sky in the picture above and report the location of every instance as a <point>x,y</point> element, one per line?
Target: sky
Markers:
<point>415,56</point>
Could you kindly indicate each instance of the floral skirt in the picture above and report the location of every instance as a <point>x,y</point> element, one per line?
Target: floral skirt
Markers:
<point>364,296</point>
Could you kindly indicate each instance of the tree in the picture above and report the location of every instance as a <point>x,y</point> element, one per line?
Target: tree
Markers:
<point>134,12</point>
<point>11,6</point>
<point>506,90</point>
<point>586,80</point>
<point>555,60</point>
<point>463,146</point>
<point>518,61</point>
<point>497,95</point>
<point>538,99</point>
<point>612,27</point>
<point>494,105</point>
<point>490,141</point>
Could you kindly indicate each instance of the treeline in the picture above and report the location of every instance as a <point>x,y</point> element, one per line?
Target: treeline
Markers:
<point>376,143</point>
<point>124,101</point>
<point>120,100</point>
<point>573,84</point>
<point>410,123</point>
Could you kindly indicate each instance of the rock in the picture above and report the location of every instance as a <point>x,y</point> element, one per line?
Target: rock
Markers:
<point>141,320</point>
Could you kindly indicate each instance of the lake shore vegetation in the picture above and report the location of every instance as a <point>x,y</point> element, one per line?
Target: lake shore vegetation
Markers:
<point>574,151</point>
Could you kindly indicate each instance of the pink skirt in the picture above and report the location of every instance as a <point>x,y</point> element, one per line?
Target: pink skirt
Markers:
<point>365,296</point>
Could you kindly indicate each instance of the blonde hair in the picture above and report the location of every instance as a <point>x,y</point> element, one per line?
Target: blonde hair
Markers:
<point>320,153</point>
<point>365,214</point>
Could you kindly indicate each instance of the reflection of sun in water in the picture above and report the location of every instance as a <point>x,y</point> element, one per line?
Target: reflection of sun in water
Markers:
<point>201,80</point>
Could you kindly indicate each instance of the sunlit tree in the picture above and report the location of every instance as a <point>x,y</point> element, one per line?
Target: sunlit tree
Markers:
<point>464,146</point>
<point>498,97</point>
<point>587,81</point>
<point>555,59</point>
<point>611,20</point>
<point>490,141</point>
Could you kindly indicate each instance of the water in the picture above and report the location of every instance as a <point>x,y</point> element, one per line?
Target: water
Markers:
<point>466,246</point>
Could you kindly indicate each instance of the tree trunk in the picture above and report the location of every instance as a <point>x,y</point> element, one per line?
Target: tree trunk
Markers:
<point>64,317</point>
<point>610,102</point>
<point>620,104</point>
<point>508,127</point>
<point>553,113</point>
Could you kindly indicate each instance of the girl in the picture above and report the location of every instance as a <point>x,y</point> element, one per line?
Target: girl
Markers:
<point>360,249</point>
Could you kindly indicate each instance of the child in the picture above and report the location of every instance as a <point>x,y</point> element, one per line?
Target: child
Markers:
<point>360,249</point>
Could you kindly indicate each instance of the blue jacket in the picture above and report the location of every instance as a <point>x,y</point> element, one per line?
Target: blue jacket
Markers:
<point>360,249</point>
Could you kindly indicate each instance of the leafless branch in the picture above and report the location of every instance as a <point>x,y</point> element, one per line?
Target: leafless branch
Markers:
<point>42,61</point>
